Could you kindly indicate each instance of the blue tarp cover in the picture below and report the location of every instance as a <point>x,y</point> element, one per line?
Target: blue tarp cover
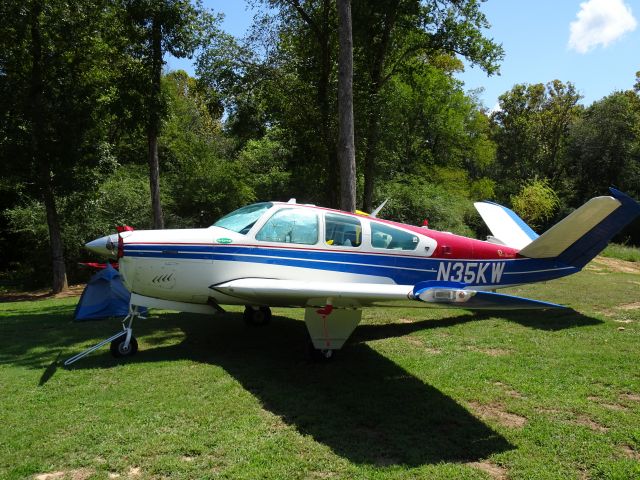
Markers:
<point>104,296</point>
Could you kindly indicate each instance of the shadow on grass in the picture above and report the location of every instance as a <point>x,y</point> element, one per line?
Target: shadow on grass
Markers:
<point>363,406</point>
<point>550,320</point>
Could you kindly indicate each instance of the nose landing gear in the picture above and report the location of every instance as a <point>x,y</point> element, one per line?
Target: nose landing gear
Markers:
<point>123,344</point>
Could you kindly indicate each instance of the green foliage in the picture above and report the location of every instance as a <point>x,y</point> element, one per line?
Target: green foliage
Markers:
<point>264,161</point>
<point>532,131</point>
<point>412,200</point>
<point>536,202</point>
<point>605,146</point>
<point>622,252</point>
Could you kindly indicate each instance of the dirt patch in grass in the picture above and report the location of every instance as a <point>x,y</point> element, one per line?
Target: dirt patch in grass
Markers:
<point>493,470</point>
<point>634,397</point>
<point>629,306</point>
<point>497,412</point>
<point>615,265</point>
<point>590,423</point>
<point>404,320</point>
<point>508,390</point>
<point>43,294</point>
<point>78,474</point>
<point>629,452</point>
<point>418,343</point>
<point>610,406</point>
<point>492,352</point>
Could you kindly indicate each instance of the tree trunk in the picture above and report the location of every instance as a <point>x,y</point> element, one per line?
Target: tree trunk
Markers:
<point>40,156</point>
<point>370,156</point>
<point>153,128</point>
<point>373,120</point>
<point>55,238</point>
<point>346,146</point>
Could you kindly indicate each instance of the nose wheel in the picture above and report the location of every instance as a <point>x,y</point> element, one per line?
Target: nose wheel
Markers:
<point>119,348</point>
<point>257,316</point>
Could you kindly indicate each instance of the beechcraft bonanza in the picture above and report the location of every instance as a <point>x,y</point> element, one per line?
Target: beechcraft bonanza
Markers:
<point>334,263</point>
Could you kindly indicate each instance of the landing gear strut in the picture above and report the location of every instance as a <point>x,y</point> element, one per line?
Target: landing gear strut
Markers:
<point>123,343</point>
<point>257,316</point>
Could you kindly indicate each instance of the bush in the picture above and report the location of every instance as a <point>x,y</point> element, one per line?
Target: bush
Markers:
<point>412,200</point>
<point>536,202</point>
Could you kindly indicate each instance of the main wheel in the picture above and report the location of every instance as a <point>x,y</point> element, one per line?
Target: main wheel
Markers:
<point>119,350</point>
<point>257,317</point>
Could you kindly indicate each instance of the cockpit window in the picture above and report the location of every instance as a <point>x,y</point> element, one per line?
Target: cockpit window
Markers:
<point>241,220</point>
<point>341,230</point>
<point>291,225</point>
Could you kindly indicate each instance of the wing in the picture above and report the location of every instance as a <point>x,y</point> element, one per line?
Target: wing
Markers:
<point>269,291</point>
<point>265,291</point>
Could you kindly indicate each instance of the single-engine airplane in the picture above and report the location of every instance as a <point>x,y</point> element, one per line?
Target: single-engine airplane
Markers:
<point>334,263</point>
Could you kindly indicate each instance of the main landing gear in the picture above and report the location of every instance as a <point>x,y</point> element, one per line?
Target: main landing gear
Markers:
<point>257,316</point>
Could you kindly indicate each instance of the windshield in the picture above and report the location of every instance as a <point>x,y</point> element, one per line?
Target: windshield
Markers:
<point>241,220</point>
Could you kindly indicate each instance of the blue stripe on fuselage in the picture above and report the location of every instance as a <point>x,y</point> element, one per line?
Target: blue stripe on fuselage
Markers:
<point>405,270</point>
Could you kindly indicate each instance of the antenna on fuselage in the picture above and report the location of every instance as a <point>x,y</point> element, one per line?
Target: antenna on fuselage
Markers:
<point>377,210</point>
<point>292,200</point>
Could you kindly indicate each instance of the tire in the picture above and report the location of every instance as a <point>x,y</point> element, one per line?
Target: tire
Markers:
<point>118,350</point>
<point>257,318</point>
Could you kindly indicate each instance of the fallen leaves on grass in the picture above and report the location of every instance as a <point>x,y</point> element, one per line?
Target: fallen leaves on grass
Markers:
<point>497,412</point>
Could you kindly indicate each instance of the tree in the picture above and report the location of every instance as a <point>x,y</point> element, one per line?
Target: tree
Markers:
<point>346,146</point>
<point>605,146</point>
<point>53,60</point>
<point>396,35</point>
<point>532,132</point>
<point>158,27</point>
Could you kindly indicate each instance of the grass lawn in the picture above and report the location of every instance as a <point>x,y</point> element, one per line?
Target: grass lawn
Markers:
<point>415,394</point>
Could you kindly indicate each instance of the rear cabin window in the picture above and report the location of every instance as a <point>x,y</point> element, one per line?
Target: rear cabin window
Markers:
<point>342,231</point>
<point>291,225</point>
<point>389,238</point>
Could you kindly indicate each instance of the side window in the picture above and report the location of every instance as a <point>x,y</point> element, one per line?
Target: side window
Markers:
<point>383,236</point>
<point>291,225</point>
<point>342,230</point>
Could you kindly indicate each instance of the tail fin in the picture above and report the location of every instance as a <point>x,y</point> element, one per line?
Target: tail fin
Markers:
<point>586,231</point>
<point>505,225</point>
